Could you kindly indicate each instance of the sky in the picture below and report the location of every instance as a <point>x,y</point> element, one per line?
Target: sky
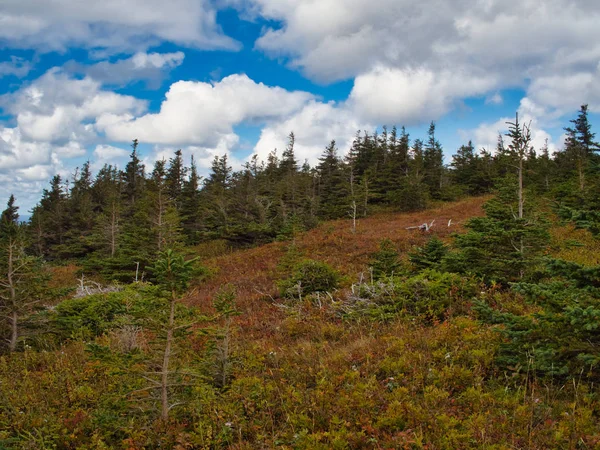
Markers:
<point>80,80</point>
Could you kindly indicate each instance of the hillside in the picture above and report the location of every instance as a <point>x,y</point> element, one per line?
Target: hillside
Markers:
<point>254,274</point>
<point>320,372</point>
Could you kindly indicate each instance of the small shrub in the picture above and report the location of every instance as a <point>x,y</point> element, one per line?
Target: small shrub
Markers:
<point>309,276</point>
<point>430,255</point>
<point>385,262</point>
<point>430,295</point>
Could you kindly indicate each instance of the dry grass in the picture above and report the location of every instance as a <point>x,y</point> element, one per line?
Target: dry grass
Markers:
<point>576,245</point>
<point>253,272</point>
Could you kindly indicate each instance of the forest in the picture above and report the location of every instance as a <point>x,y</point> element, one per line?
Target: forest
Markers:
<point>380,299</point>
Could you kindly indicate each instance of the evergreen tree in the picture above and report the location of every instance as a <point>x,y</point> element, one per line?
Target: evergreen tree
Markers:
<point>385,262</point>
<point>433,164</point>
<point>21,276</point>
<point>81,214</point>
<point>10,216</point>
<point>502,246</point>
<point>190,205</point>
<point>580,147</point>
<point>134,177</point>
<point>430,256</point>
<point>165,219</point>
<point>332,190</point>
<point>50,219</point>
<point>217,196</point>
<point>175,178</point>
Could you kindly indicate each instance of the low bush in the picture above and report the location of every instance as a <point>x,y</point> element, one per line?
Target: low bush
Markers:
<point>431,295</point>
<point>307,277</point>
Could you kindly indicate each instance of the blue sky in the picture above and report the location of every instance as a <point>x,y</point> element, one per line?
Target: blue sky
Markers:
<point>80,80</point>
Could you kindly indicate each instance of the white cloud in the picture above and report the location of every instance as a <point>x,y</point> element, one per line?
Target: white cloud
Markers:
<point>314,127</point>
<point>202,114</point>
<point>56,108</point>
<point>15,153</point>
<point>115,25</point>
<point>411,48</point>
<point>54,122</point>
<point>408,96</point>
<point>561,94</point>
<point>19,67</point>
<point>335,39</point>
<point>108,154</point>
<point>486,134</point>
<point>494,99</point>
<point>149,67</point>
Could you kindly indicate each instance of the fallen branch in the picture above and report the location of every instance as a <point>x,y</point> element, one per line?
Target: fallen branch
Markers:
<point>424,227</point>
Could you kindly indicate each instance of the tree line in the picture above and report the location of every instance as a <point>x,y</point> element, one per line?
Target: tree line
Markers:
<point>116,218</point>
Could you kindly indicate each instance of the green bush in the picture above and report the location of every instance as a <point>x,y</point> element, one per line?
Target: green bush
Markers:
<point>429,256</point>
<point>309,276</point>
<point>562,338</point>
<point>92,316</point>
<point>385,262</point>
<point>430,295</point>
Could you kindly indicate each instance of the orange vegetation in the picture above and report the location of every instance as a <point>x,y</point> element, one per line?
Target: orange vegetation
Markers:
<point>253,272</point>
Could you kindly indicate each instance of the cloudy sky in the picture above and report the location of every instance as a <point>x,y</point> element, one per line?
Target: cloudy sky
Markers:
<point>79,80</point>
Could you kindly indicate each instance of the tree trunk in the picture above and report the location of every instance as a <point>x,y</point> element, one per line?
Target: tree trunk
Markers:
<point>353,216</point>
<point>165,366</point>
<point>366,197</point>
<point>521,188</point>
<point>581,174</point>
<point>159,220</point>
<point>14,331</point>
<point>13,319</point>
<point>113,229</point>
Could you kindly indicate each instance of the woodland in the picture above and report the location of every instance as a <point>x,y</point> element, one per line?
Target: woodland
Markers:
<point>381,299</point>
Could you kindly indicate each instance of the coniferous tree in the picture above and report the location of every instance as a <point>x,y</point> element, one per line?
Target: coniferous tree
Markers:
<point>332,190</point>
<point>21,276</point>
<point>81,214</point>
<point>433,164</point>
<point>50,219</point>
<point>217,196</point>
<point>191,214</point>
<point>580,147</point>
<point>134,178</point>
<point>175,178</point>
<point>502,246</point>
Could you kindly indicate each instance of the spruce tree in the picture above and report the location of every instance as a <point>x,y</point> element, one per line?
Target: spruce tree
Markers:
<point>332,190</point>
<point>190,205</point>
<point>175,178</point>
<point>433,164</point>
<point>134,178</point>
<point>22,279</point>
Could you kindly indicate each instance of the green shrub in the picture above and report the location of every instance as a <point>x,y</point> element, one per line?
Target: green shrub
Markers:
<point>562,338</point>
<point>385,262</point>
<point>92,316</point>
<point>309,276</point>
<point>431,295</point>
<point>430,255</point>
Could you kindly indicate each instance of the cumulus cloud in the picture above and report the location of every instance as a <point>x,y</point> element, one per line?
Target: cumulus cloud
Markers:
<point>494,99</point>
<point>108,154</point>
<point>336,39</point>
<point>57,108</point>
<point>485,136</point>
<point>314,126</point>
<point>54,123</point>
<point>411,96</point>
<point>414,47</point>
<point>114,25</point>
<point>149,67</point>
<point>202,114</point>
<point>557,95</point>
<point>19,67</point>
